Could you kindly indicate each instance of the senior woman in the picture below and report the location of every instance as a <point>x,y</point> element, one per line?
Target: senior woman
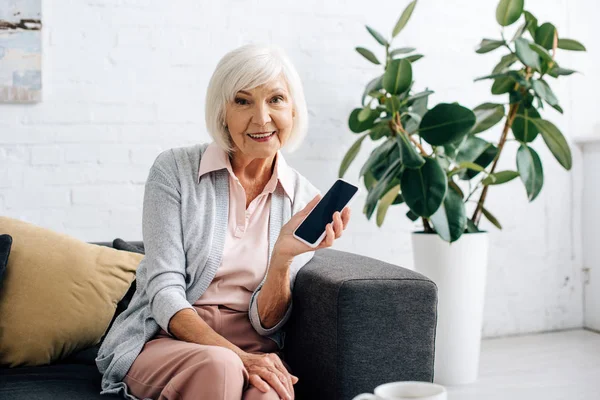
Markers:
<point>214,289</point>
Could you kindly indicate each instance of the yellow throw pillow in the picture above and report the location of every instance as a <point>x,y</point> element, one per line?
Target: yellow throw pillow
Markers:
<point>58,295</point>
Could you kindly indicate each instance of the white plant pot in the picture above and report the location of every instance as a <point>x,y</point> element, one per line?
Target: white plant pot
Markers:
<point>459,271</point>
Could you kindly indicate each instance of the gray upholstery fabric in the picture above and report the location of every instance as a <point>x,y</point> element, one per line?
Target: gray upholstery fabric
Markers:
<point>356,323</point>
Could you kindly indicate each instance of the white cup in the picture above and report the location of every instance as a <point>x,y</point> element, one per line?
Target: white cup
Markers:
<point>407,390</point>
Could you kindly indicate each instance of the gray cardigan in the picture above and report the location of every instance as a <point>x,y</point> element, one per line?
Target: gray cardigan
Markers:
<point>184,226</point>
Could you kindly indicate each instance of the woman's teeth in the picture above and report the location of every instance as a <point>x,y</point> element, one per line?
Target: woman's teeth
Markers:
<point>261,136</point>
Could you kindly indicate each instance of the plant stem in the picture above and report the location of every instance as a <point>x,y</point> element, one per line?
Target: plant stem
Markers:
<point>398,128</point>
<point>472,192</point>
<point>426,226</point>
<point>512,113</point>
<point>412,139</point>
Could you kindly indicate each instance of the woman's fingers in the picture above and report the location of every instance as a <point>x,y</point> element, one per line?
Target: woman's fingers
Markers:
<point>276,383</point>
<point>334,230</point>
<point>287,377</point>
<point>330,235</point>
<point>256,381</point>
<point>338,225</point>
<point>346,216</point>
<point>264,374</point>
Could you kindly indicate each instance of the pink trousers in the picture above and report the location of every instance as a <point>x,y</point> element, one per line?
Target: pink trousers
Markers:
<point>168,368</point>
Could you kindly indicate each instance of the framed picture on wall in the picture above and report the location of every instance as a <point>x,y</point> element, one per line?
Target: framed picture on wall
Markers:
<point>20,51</point>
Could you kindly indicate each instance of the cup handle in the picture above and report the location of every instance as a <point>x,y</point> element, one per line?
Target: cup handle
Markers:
<point>365,396</point>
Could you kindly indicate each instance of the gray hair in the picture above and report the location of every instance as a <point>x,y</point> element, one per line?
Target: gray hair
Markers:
<point>245,68</point>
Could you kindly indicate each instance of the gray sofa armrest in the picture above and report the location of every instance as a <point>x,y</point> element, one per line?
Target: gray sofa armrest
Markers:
<point>357,323</point>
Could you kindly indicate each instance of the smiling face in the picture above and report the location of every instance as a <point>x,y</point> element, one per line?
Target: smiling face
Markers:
<point>255,114</point>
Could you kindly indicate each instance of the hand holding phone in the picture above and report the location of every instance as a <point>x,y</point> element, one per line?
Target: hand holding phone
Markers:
<point>290,245</point>
<point>312,229</point>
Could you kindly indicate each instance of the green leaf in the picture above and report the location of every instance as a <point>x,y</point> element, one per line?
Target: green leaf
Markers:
<point>410,121</point>
<point>498,178</point>
<point>385,203</point>
<point>470,149</point>
<point>491,218</point>
<point>411,115</point>
<point>350,156</point>
<point>412,216</point>
<point>409,155</point>
<point>487,115</point>
<point>544,35</point>
<point>424,188</point>
<point>450,220</point>
<point>404,18</point>
<point>503,85</point>
<point>419,95</point>
<point>542,52</point>
<point>526,54</point>
<point>382,186</point>
<point>368,55</point>
<point>398,200</point>
<point>523,127</point>
<point>508,11</point>
<point>557,71</point>
<point>378,36</point>
<point>392,104</point>
<point>470,165</point>
<point>478,151</point>
<point>380,130</point>
<point>531,171</point>
<point>505,62</point>
<point>398,76</point>
<point>453,185</point>
<point>374,85</point>
<point>450,149</point>
<point>413,58</point>
<point>570,44</point>
<point>364,114</point>
<point>556,142</point>
<point>402,50</point>
<point>419,107</point>
<point>532,23</point>
<point>446,122</point>
<point>488,45</point>
<point>542,89</point>
<point>471,227</point>
<point>378,155</point>
<point>495,76</point>
<point>369,180</point>
<point>519,32</point>
<point>357,126</point>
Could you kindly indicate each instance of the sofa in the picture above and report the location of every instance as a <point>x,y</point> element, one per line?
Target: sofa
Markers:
<point>357,323</point>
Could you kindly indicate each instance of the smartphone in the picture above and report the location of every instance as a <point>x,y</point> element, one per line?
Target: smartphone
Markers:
<point>312,228</point>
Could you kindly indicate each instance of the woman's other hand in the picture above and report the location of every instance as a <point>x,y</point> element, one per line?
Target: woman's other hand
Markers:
<point>288,246</point>
<point>266,370</point>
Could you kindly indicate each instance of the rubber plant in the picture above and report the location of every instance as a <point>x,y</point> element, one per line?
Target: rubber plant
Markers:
<point>521,75</point>
<point>426,155</point>
<point>409,164</point>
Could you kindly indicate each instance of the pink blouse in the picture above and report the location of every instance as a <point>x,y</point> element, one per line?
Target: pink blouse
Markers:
<point>245,254</point>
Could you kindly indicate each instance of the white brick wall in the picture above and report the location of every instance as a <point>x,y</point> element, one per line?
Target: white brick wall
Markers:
<point>126,79</point>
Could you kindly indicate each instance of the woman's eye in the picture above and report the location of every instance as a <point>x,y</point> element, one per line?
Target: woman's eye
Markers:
<point>241,101</point>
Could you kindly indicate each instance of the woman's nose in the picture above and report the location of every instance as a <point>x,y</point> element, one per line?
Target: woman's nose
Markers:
<point>261,115</point>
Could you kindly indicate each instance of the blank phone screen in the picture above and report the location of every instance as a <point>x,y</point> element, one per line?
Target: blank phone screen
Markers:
<point>334,200</point>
